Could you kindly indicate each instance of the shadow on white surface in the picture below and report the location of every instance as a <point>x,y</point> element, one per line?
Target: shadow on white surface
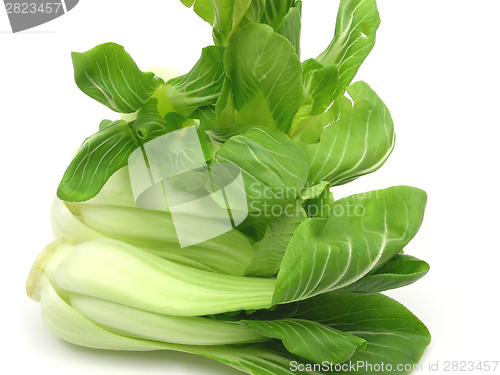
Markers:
<point>154,362</point>
<point>27,32</point>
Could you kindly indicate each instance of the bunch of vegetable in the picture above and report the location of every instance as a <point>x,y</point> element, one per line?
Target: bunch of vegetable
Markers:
<point>295,285</point>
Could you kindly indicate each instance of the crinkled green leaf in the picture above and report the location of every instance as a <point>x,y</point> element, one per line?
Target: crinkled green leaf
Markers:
<point>201,86</point>
<point>223,134</point>
<point>318,200</point>
<point>394,335</point>
<point>291,26</point>
<point>207,117</point>
<point>101,155</point>
<point>173,121</point>
<point>255,225</point>
<point>320,206</point>
<point>273,168</point>
<point>320,82</point>
<point>253,14</point>
<point>358,143</point>
<point>364,232</point>
<point>271,249</point>
<point>310,340</point>
<point>357,24</point>
<point>275,11</point>
<point>109,75</point>
<point>316,125</point>
<point>227,17</point>
<point>303,112</point>
<point>265,76</point>
<point>400,271</point>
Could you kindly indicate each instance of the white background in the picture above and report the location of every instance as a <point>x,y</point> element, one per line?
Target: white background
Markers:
<point>435,65</point>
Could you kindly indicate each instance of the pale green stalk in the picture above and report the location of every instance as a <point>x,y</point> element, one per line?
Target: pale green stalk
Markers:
<point>121,273</point>
<point>70,325</point>
<point>230,253</point>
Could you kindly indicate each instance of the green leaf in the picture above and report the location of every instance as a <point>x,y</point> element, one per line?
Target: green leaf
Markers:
<point>358,143</point>
<point>400,271</point>
<point>173,121</point>
<point>275,11</point>
<point>202,8</point>
<point>265,76</point>
<point>271,249</point>
<point>108,74</point>
<point>320,82</point>
<point>224,108</point>
<point>201,86</point>
<point>253,14</point>
<point>205,10</point>
<point>255,225</point>
<point>394,335</point>
<point>363,233</point>
<point>262,359</point>
<point>319,201</point>
<point>303,112</point>
<point>228,15</point>
<point>357,24</point>
<point>206,145</point>
<point>315,191</point>
<point>101,155</point>
<point>311,340</point>
<point>223,134</point>
<point>104,124</point>
<point>207,117</point>
<point>291,26</point>
<point>149,124</point>
<point>274,168</point>
<point>321,206</point>
<point>311,129</point>
<point>276,312</point>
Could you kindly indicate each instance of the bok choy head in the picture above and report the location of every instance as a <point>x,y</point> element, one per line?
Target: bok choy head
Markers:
<point>200,217</point>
